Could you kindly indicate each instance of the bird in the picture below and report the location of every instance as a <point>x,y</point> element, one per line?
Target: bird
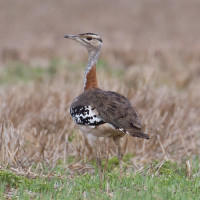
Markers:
<point>100,113</point>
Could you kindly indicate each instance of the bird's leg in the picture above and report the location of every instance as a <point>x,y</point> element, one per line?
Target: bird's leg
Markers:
<point>119,154</point>
<point>106,162</point>
<point>98,160</point>
<point>94,143</point>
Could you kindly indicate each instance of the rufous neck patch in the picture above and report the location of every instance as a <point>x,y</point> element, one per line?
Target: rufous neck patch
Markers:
<point>91,79</point>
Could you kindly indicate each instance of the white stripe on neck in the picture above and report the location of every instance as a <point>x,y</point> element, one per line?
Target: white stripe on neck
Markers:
<point>92,60</point>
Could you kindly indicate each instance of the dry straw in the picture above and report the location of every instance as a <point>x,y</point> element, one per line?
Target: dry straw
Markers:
<point>35,124</point>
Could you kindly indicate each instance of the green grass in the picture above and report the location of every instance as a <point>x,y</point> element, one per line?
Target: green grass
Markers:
<point>167,182</point>
<point>16,72</point>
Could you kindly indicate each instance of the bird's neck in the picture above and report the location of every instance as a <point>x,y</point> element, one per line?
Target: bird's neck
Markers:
<point>90,81</point>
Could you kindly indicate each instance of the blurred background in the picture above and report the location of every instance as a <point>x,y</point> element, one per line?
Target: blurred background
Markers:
<point>151,54</point>
<point>33,30</point>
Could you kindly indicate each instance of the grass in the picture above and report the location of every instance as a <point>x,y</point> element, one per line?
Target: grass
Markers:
<point>16,72</point>
<point>42,153</point>
<point>165,180</point>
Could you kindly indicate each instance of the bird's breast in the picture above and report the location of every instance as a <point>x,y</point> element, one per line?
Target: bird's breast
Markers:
<point>103,130</point>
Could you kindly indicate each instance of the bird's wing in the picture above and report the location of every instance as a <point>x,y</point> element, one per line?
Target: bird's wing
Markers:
<point>118,111</point>
<point>85,115</point>
<point>110,107</point>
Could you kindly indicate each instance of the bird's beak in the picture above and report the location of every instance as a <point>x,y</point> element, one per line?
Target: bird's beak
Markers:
<point>74,37</point>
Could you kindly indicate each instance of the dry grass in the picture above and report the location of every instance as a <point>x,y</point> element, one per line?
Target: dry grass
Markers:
<point>36,125</point>
<point>157,68</point>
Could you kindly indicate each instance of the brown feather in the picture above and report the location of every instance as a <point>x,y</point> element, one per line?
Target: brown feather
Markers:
<point>139,134</point>
<point>112,108</point>
<point>91,79</point>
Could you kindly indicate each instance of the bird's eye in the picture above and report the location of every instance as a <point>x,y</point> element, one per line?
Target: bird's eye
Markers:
<point>89,38</point>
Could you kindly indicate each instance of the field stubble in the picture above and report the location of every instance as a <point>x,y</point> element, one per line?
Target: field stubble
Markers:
<point>36,125</point>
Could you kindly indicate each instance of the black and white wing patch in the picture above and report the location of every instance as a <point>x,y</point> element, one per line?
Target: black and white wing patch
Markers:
<point>85,115</point>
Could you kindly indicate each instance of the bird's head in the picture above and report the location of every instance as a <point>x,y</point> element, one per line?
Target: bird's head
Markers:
<point>91,41</point>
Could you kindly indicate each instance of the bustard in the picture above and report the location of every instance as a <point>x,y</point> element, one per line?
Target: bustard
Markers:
<point>101,113</point>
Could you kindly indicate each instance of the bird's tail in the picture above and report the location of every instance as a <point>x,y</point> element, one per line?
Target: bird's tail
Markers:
<point>139,134</point>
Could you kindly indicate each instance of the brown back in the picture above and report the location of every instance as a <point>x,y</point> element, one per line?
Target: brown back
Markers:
<point>111,107</point>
